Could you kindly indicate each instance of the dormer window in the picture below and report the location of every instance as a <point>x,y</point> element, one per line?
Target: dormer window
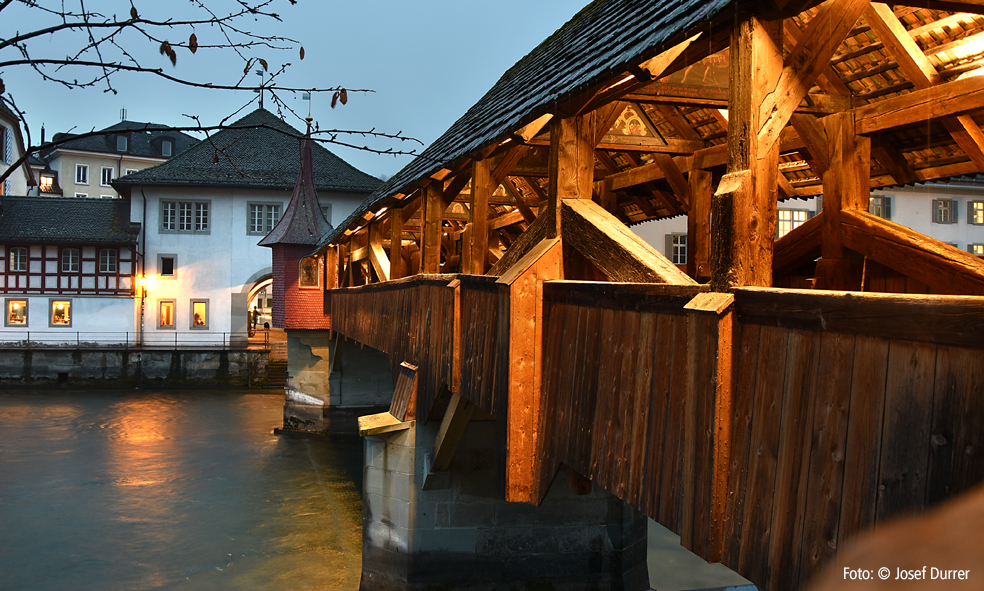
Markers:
<point>166,148</point>
<point>121,143</point>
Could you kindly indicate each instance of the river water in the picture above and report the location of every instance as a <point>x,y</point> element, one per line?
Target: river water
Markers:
<point>174,490</point>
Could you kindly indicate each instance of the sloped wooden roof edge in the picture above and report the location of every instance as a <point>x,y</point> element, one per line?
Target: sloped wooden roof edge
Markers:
<point>593,47</point>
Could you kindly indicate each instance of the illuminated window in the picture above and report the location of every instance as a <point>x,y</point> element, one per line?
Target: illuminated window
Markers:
<point>165,314</point>
<point>976,249</point>
<point>199,314</point>
<point>107,260</point>
<point>16,313</point>
<point>185,216</point>
<point>262,217</point>
<point>787,219</point>
<point>47,182</point>
<point>308,273</point>
<point>945,211</point>
<point>81,174</point>
<point>975,212</point>
<point>61,313</point>
<point>881,206</point>
<point>18,259</point>
<point>676,248</point>
<point>70,260</point>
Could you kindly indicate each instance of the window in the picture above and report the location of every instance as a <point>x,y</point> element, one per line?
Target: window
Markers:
<point>81,174</point>
<point>262,217</point>
<point>18,259</point>
<point>121,143</point>
<point>308,273</point>
<point>70,260</point>
<point>881,206</point>
<point>199,314</point>
<point>61,313</point>
<point>975,212</point>
<point>130,170</point>
<point>107,260</point>
<point>16,313</point>
<point>81,195</point>
<point>7,136</point>
<point>166,265</point>
<point>976,249</point>
<point>47,182</point>
<point>326,211</point>
<point>787,219</point>
<point>106,197</point>
<point>106,176</point>
<point>184,216</point>
<point>166,148</point>
<point>676,248</point>
<point>165,314</point>
<point>945,211</point>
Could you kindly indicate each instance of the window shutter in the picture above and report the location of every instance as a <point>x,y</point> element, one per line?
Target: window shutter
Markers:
<point>935,216</point>
<point>887,207</point>
<point>669,246</point>
<point>953,211</point>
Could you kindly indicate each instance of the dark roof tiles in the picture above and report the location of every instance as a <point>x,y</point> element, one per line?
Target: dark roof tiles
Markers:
<point>143,139</point>
<point>259,151</point>
<point>595,44</point>
<point>66,220</point>
<point>302,222</point>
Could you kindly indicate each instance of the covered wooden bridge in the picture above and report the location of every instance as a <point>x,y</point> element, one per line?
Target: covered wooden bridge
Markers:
<point>766,425</point>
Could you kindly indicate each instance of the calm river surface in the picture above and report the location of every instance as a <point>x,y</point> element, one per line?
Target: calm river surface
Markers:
<point>129,490</point>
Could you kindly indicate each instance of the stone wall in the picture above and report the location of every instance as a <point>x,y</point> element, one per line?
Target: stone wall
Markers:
<point>462,535</point>
<point>131,368</point>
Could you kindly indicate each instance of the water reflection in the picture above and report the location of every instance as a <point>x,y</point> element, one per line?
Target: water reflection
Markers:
<point>187,490</point>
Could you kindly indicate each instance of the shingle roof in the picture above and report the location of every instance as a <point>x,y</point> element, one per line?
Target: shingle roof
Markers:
<point>143,139</point>
<point>302,222</point>
<point>66,220</point>
<point>261,151</point>
<point>602,37</point>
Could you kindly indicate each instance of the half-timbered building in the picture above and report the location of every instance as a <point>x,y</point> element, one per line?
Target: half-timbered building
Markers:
<point>68,269</point>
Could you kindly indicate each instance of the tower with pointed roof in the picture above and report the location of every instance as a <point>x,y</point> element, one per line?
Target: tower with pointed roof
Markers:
<point>297,276</point>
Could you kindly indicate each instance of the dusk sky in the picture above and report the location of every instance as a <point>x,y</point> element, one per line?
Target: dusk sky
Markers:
<point>427,60</point>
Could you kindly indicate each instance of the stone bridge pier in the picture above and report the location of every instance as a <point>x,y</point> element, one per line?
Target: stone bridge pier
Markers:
<point>450,529</point>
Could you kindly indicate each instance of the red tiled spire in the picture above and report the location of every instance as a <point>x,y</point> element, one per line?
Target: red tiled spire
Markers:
<point>302,222</point>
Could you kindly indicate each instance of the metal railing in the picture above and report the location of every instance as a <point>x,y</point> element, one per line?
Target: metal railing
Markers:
<point>170,340</point>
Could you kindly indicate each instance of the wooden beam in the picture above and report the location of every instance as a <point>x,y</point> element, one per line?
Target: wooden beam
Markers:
<point>678,122</point>
<point>699,224</point>
<point>507,163</point>
<point>615,249</point>
<point>642,144</point>
<point>815,139</point>
<point>799,246</point>
<point>606,117</point>
<point>744,205</point>
<point>893,161</point>
<point>430,261</point>
<point>922,73</point>
<point>478,216</point>
<point>944,268</point>
<point>959,97</point>
<point>827,80</point>
<point>377,255</point>
<point>845,187</point>
<point>452,428</point>
<point>802,66</point>
<point>396,243</point>
<point>571,164</point>
<point>506,219</point>
<point>531,129</point>
<point>673,175</point>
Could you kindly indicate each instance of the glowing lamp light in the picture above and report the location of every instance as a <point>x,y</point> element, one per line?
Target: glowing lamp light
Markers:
<point>16,306</point>
<point>148,282</point>
<point>60,306</point>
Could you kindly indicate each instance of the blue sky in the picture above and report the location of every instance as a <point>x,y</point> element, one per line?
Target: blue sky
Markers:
<point>427,60</point>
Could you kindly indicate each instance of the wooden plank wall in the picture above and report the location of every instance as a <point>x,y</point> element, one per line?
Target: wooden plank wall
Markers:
<point>848,409</point>
<point>411,320</point>
<point>614,386</point>
<point>479,303</point>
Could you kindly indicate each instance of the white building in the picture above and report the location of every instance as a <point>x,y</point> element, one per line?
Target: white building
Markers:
<point>86,166</point>
<point>11,148</point>
<point>203,213</point>
<point>951,212</point>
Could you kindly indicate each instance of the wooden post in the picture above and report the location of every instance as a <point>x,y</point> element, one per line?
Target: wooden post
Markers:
<point>845,186</point>
<point>478,246</point>
<point>699,224</point>
<point>744,207</point>
<point>430,260</point>
<point>396,243</point>
<point>571,164</point>
<point>707,442</point>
